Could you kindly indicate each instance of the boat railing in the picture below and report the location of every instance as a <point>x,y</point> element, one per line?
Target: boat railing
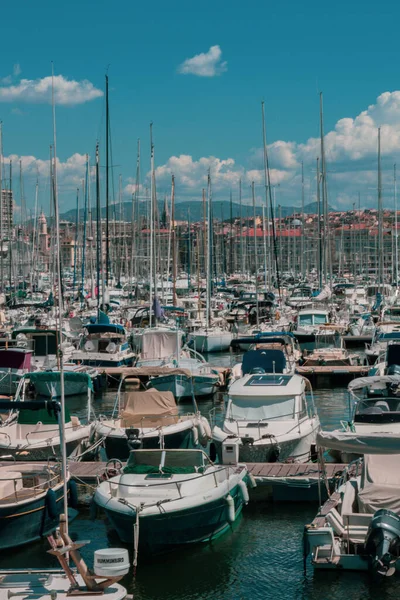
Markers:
<point>36,489</point>
<point>178,484</point>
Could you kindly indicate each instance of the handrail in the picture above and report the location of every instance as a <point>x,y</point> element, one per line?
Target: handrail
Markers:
<point>226,468</point>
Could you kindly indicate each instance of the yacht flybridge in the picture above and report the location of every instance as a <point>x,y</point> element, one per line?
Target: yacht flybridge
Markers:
<point>270,417</point>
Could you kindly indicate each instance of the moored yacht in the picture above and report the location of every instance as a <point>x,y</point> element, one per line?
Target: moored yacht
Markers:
<point>104,345</point>
<point>271,418</point>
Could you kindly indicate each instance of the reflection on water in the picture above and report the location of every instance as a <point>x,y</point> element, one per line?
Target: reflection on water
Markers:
<point>261,559</point>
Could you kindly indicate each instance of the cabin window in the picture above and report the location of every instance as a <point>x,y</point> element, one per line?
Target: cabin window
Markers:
<point>303,407</point>
<point>253,410</point>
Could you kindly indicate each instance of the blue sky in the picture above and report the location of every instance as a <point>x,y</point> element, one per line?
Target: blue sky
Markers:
<point>282,53</point>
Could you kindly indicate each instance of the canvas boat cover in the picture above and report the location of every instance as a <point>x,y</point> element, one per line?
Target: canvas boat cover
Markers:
<point>160,344</point>
<point>358,443</point>
<point>380,484</point>
<point>324,294</point>
<point>149,409</point>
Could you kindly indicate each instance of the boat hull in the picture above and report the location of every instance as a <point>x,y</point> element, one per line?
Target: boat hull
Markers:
<point>168,530</point>
<point>39,453</point>
<point>210,343</point>
<point>27,522</point>
<point>185,387</point>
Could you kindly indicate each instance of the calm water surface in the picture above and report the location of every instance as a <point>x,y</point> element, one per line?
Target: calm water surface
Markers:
<point>262,557</point>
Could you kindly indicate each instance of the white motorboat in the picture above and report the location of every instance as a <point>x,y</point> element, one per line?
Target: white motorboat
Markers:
<point>215,339</point>
<point>151,420</point>
<point>33,434</point>
<point>313,326</point>
<point>172,498</point>
<point>358,528</point>
<point>104,345</point>
<point>374,406</point>
<point>271,417</point>
<point>272,352</point>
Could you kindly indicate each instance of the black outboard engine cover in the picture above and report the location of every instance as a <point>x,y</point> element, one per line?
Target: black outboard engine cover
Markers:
<point>383,542</point>
<point>134,441</point>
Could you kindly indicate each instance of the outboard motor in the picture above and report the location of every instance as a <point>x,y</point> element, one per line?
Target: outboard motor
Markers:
<point>134,442</point>
<point>383,542</point>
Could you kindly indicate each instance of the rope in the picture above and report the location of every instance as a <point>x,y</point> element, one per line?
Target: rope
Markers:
<point>136,532</point>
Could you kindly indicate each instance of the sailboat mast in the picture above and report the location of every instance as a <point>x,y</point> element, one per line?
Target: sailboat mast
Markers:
<point>209,255</point>
<point>2,204</point>
<point>241,262</point>
<point>302,267</point>
<point>174,300</point>
<point>151,222</point>
<point>107,186</point>
<point>84,226</point>
<point>76,239</point>
<point>60,311</point>
<point>396,240</point>
<point>380,215</point>
<point>266,184</point>
<point>319,233</point>
<point>255,246</point>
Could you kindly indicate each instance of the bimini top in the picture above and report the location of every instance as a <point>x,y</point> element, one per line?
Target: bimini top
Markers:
<point>105,328</point>
<point>267,385</point>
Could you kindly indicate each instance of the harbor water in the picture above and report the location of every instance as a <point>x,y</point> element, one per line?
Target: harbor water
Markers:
<point>261,558</point>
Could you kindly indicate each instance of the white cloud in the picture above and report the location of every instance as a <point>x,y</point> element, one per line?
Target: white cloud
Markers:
<point>66,91</point>
<point>206,64</point>
<point>16,70</point>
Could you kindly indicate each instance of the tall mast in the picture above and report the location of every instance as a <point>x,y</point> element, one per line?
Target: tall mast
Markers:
<point>241,263</point>
<point>209,254</point>
<point>99,249</point>
<point>231,235</point>
<point>255,246</point>
<point>151,223</point>
<point>319,233</point>
<point>10,228</point>
<point>60,309</point>
<point>2,205</point>
<point>174,301</point>
<point>107,186</point>
<point>380,215</point>
<point>84,225</point>
<point>396,241</point>
<point>270,210</point>
<point>76,239</point>
<point>267,190</point>
<point>205,254</point>
<point>327,258</point>
<point>302,249</point>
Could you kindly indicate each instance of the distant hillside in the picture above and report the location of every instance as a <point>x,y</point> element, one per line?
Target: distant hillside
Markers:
<point>221,209</point>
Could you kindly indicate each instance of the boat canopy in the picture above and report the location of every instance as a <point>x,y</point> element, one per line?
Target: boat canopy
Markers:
<point>380,484</point>
<point>50,377</point>
<point>149,409</point>
<point>358,443</point>
<point>105,328</point>
<point>160,344</point>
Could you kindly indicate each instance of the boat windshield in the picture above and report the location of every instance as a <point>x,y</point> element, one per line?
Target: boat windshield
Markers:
<point>312,319</point>
<point>253,410</point>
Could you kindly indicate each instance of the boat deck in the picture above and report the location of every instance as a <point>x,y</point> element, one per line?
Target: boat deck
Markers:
<point>21,496</point>
<point>316,370</point>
